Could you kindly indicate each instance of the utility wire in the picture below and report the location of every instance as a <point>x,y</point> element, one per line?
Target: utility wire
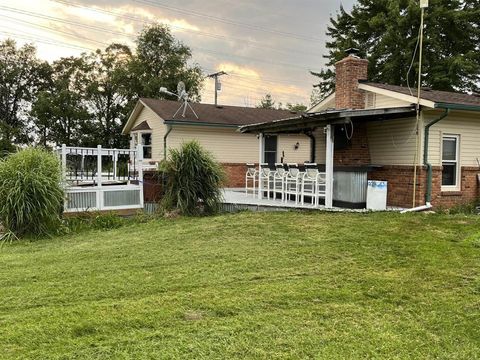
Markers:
<point>227,21</point>
<point>28,13</point>
<point>247,42</point>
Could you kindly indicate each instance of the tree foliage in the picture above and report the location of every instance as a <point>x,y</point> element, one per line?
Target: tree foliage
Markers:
<point>22,75</point>
<point>386,33</point>
<point>267,102</point>
<point>85,100</point>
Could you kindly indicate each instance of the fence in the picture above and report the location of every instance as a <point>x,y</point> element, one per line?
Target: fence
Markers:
<point>98,179</point>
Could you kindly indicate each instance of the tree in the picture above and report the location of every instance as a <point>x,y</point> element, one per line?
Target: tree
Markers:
<point>297,107</point>
<point>267,102</point>
<point>60,112</point>
<point>386,33</point>
<point>22,75</point>
<point>108,94</point>
<point>163,61</point>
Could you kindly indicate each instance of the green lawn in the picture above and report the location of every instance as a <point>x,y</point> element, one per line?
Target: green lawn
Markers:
<point>250,285</point>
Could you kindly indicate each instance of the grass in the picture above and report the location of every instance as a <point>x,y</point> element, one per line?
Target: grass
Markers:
<point>250,285</point>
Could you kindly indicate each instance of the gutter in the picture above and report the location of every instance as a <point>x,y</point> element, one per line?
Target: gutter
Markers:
<point>457,106</point>
<point>428,195</point>
<point>195,123</point>
<point>170,128</point>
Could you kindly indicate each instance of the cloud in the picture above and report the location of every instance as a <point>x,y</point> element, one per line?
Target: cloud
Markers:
<point>267,46</point>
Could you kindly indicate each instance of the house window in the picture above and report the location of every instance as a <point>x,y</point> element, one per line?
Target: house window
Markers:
<point>270,150</point>
<point>450,161</point>
<point>147,145</point>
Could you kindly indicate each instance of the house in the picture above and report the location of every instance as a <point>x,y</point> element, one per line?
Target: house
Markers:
<point>433,161</point>
<point>157,125</point>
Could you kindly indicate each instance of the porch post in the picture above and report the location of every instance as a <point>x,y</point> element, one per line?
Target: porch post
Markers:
<point>99,178</point>
<point>329,168</point>
<point>140,173</point>
<point>260,161</point>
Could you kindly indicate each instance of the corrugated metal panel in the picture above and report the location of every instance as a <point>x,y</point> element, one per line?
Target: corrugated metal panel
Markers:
<point>350,187</point>
<point>81,200</point>
<point>121,198</point>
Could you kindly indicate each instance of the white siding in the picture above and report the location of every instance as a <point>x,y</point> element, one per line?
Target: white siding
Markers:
<point>378,101</point>
<point>392,142</point>
<point>158,131</point>
<point>230,146</point>
<point>465,124</point>
<point>320,146</point>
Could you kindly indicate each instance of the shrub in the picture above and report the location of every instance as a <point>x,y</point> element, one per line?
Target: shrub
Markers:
<point>31,195</point>
<point>193,180</point>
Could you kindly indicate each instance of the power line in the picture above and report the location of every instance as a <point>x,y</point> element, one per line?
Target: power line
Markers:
<point>228,21</point>
<point>248,42</point>
<point>207,51</point>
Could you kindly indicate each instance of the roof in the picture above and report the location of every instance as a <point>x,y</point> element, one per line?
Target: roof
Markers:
<point>211,114</point>
<point>142,126</point>
<point>308,122</point>
<point>435,96</point>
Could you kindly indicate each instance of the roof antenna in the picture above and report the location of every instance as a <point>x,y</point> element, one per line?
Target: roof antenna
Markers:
<point>182,95</point>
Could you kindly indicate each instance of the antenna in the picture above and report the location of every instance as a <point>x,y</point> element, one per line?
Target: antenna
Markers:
<point>218,85</point>
<point>181,95</point>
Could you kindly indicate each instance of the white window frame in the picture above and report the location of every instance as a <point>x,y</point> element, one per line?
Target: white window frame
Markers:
<point>137,138</point>
<point>457,185</point>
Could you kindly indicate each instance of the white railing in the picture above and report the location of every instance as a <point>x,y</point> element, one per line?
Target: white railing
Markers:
<point>98,179</point>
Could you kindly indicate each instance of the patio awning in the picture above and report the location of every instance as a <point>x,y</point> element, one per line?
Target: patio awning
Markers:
<point>310,121</point>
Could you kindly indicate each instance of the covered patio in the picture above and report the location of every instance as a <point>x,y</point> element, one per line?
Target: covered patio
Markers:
<point>339,184</point>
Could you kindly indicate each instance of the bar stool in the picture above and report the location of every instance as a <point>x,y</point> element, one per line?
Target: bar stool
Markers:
<point>293,182</point>
<point>265,179</point>
<point>252,175</point>
<point>279,181</point>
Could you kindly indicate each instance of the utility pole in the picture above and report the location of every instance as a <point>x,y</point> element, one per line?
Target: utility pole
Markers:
<point>218,85</point>
<point>423,6</point>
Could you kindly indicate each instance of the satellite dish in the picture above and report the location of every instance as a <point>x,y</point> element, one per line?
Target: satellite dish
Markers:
<point>182,95</point>
<point>180,88</point>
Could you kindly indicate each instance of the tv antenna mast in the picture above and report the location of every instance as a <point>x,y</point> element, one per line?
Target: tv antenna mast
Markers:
<point>181,95</point>
<point>218,84</point>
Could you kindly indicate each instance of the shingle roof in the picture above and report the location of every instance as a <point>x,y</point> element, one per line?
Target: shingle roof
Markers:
<point>142,126</point>
<point>433,95</point>
<point>211,114</point>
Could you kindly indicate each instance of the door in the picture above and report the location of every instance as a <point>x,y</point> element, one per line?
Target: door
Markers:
<point>270,150</point>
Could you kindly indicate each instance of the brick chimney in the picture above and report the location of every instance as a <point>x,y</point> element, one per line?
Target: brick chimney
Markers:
<point>347,73</point>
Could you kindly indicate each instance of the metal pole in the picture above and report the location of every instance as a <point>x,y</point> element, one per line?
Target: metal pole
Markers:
<point>419,87</point>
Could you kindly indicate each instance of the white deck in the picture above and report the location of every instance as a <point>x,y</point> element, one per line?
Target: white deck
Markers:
<point>237,196</point>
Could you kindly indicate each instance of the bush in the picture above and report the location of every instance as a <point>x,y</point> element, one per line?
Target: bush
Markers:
<point>31,196</point>
<point>193,180</point>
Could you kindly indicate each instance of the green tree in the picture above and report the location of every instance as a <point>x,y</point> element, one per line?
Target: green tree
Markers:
<point>162,61</point>
<point>386,33</point>
<point>60,112</point>
<point>108,94</point>
<point>267,102</point>
<point>296,107</point>
<point>22,75</point>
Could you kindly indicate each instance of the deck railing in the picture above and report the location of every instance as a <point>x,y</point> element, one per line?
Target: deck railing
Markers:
<point>102,179</point>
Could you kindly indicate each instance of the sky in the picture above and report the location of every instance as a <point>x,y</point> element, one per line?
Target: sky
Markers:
<point>265,46</point>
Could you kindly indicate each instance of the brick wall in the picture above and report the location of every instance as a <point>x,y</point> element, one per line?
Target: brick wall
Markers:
<point>469,188</point>
<point>400,186</point>
<point>348,71</point>
<point>357,153</point>
<point>235,174</point>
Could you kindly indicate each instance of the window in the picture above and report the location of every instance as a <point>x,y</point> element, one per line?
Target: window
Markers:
<point>147,145</point>
<point>450,158</point>
<point>270,150</point>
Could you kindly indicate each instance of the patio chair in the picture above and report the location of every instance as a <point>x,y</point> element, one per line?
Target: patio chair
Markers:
<point>293,182</point>
<point>313,184</point>
<point>251,174</point>
<point>265,179</point>
<point>279,181</point>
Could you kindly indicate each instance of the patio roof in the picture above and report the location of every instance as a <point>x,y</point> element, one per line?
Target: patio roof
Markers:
<point>310,121</point>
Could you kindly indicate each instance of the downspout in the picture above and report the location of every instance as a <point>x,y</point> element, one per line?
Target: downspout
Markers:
<point>428,194</point>
<point>165,142</point>
<point>313,146</point>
